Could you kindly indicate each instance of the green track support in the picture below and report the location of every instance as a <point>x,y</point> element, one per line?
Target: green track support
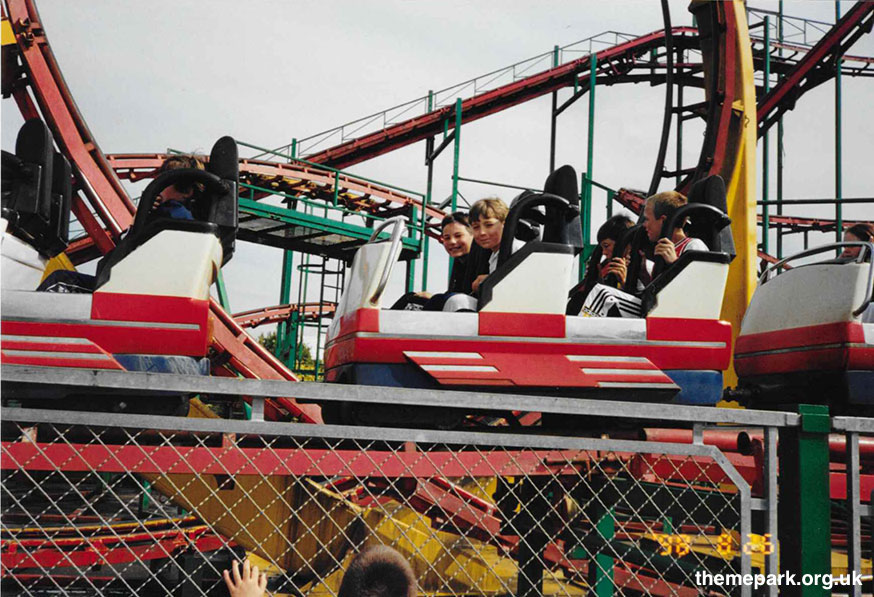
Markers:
<point>586,187</point>
<point>805,508</point>
<point>601,565</point>
<point>766,222</point>
<point>839,216</point>
<point>590,155</point>
<point>780,138</point>
<point>456,155</point>
<point>147,495</point>
<point>411,265</point>
<point>222,292</point>
<point>282,330</point>
<point>585,221</point>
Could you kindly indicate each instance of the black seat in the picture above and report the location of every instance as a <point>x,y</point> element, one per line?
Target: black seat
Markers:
<point>214,209</point>
<point>708,221</point>
<point>27,175</point>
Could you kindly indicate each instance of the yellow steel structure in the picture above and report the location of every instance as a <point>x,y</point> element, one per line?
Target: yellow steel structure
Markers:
<point>741,184</point>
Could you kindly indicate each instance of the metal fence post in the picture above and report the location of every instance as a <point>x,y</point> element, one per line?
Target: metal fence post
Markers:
<point>805,510</point>
<point>854,511</point>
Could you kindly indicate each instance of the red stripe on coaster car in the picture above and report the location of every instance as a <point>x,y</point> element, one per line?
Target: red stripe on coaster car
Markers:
<point>693,330</point>
<point>360,320</point>
<point>141,307</point>
<point>828,333</point>
<point>532,325</point>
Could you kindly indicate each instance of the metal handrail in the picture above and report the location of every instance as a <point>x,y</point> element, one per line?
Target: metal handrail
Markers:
<point>399,223</point>
<point>861,258</point>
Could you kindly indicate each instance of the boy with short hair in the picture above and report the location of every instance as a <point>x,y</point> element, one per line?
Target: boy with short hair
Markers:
<point>487,217</point>
<point>661,207</point>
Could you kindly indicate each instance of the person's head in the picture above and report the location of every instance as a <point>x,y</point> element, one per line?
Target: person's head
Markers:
<point>179,191</point>
<point>861,232</point>
<point>661,207</point>
<point>487,217</point>
<point>378,571</point>
<point>456,234</point>
<point>611,231</point>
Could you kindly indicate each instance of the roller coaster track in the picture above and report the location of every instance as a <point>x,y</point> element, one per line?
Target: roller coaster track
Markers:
<point>305,311</point>
<point>294,178</point>
<point>616,64</point>
<point>817,66</point>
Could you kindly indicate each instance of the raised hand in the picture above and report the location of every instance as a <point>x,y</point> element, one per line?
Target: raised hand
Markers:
<point>251,583</point>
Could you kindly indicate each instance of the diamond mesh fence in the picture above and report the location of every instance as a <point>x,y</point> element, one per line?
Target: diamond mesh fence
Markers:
<point>161,509</point>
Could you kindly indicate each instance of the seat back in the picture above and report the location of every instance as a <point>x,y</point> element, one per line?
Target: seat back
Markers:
<point>707,219</point>
<point>830,291</point>
<point>27,193</point>
<point>371,268</point>
<point>215,208</point>
<point>711,226</point>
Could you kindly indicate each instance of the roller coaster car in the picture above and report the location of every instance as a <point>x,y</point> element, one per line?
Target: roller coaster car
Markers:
<point>35,206</point>
<point>150,307</point>
<point>808,334</point>
<point>520,339</point>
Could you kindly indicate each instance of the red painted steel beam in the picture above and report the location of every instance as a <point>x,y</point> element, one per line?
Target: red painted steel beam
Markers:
<point>804,224</point>
<point>309,311</point>
<point>251,360</point>
<point>817,66</point>
<point>667,467</point>
<point>103,190</point>
<point>726,441</point>
<point>168,460</point>
<point>490,102</point>
<point>112,550</point>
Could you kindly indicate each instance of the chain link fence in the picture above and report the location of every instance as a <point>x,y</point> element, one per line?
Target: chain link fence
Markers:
<point>111,505</point>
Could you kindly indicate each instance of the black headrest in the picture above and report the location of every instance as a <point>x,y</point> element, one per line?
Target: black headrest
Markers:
<point>563,182</point>
<point>710,191</point>
<point>37,190</point>
<point>560,217</point>
<point>27,176</point>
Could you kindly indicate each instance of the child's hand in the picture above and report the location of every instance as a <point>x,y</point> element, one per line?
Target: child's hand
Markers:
<point>665,249</point>
<point>251,584</point>
<point>619,267</point>
<point>479,280</point>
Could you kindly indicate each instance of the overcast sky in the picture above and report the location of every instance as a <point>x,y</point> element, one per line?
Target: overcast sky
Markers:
<point>167,74</point>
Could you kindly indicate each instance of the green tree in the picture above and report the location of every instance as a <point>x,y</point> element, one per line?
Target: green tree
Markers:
<point>305,360</point>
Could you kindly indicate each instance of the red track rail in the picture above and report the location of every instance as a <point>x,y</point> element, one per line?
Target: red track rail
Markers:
<point>611,62</point>
<point>307,311</point>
